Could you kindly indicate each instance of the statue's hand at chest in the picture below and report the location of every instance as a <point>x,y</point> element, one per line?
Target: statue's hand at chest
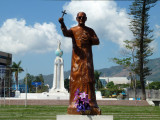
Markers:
<point>83,37</point>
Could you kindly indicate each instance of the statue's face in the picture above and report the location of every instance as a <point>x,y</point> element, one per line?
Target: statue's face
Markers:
<point>81,18</point>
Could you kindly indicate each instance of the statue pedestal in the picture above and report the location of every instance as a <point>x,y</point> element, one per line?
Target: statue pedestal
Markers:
<point>84,117</point>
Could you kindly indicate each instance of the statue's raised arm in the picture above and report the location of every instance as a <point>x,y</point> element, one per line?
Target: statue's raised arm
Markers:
<point>67,33</point>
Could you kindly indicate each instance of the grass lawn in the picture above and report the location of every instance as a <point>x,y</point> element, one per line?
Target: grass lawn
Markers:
<point>15,112</point>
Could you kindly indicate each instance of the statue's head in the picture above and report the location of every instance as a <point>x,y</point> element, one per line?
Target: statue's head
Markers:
<point>81,18</point>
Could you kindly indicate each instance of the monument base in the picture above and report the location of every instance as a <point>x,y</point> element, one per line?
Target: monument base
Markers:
<point>84,117</point>
<point>98,95</point>
<point>58,90</point>
<point>17,94</point>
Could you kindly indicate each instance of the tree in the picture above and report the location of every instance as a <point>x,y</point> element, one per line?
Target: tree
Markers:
<point>138,84</point>
<point>16,68</point>
<point>66,84</point>
<point>154,85</point>
<point>142,37</point>
<point>98,82</point>
<point>129,61</point>
<point>40,78</point>
<point>123,86</point>
<point>110,84</point>
<point>113,89</point>
<point>30,79</point>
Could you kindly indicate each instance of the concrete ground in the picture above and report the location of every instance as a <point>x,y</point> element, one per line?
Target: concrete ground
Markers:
<point>66,102</point>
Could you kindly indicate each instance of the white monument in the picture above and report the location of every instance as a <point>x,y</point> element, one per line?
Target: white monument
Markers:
<point>58,79</point>
<point>57,91</point>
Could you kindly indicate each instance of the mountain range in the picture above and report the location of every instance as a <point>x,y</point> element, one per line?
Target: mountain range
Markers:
<point>116,71</point>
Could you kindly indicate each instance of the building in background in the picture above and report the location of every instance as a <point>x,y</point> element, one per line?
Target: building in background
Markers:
<point>5,73</point>
<point>5,58</point>
<point>116,80</point>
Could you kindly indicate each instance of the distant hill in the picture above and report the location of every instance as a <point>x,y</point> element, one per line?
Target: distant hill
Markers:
<point>117,71</point>
<point>114,71</point>
<point>48,79</point>
<point>154,64</point>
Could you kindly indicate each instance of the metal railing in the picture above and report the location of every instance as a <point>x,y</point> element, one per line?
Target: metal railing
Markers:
<point>7,85</point>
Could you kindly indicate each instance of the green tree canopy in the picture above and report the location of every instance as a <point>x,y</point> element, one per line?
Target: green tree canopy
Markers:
<point>154,85</point>
<point>30,79</point>
<point>66,83</point>
<point>110,84</point>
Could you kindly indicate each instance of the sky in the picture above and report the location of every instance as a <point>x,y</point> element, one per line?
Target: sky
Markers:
<point>29,30</point>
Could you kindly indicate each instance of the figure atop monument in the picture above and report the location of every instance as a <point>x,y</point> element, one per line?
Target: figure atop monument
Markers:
<point>59,44</point>
<point>82,69</point>
<point>59,52</point>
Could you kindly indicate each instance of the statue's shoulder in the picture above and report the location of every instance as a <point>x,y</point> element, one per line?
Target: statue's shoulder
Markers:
<point>74,28</point>
<point>89,28</point>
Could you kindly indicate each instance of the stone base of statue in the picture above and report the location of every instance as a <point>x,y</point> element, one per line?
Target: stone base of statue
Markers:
<point>93,111</point>
<point>84,117</point>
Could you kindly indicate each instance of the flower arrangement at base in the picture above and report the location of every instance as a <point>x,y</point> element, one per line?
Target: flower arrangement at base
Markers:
<point>82,102</point>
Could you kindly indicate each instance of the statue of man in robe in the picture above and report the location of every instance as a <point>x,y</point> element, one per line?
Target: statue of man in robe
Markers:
<point>82,69</point>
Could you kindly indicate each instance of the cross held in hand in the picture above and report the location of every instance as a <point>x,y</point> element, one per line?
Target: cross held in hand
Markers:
<point>63,12</point>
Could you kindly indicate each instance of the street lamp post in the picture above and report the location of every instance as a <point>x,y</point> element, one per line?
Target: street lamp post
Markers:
<point>26,92</point>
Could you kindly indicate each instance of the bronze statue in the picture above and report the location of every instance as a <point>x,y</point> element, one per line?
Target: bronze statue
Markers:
<point>82,70</point>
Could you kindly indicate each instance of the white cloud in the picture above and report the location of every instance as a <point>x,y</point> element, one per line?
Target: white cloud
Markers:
<point>154,44</point>
<point>109,21</point>
<point>157,32</point>
<point>16,37</point>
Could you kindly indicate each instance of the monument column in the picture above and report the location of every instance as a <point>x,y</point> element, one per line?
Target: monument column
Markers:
<point>58,79</point>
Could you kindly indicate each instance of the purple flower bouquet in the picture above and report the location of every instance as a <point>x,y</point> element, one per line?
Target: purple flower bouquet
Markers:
<point>81,101</point>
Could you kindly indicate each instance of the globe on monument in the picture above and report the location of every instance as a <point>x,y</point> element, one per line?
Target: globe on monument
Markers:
<point>59,52</point>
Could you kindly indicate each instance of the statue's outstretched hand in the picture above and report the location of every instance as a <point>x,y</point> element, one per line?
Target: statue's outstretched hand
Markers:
<point>61,20</point>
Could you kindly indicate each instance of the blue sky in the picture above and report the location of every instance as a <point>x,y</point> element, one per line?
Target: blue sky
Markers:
<point>29,29</point>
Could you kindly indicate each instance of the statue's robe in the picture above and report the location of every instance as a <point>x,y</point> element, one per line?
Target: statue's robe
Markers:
<point>82,69</point>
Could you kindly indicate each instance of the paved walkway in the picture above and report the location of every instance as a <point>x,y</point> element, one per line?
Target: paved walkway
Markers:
<point>66,102</point>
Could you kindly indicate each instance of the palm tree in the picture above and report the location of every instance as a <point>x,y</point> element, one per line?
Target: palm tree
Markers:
<point>16,68</point>
<point>98,82</point>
